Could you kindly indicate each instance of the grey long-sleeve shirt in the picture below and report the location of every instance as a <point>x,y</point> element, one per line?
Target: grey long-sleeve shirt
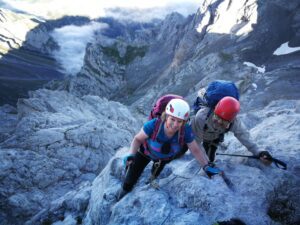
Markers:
<point>210,133</point>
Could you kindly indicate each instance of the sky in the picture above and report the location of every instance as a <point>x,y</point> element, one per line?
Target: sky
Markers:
<point>53,9</point>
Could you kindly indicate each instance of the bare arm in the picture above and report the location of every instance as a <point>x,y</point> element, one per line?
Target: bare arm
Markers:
<point>138,139</point>
<point>198,153</point>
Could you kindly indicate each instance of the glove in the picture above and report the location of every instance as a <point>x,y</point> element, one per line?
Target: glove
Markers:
<point>127,160</point>
<point>265,157</point>
<point>265,154</point>
<point>211,170</point>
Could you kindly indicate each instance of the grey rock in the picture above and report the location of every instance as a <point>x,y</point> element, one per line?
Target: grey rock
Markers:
<point>58,142</point>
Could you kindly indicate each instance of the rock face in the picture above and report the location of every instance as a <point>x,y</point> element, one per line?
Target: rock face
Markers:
<point>58,142</point>
<point>26,46</point>
<point>25,61</point>
<point>107,58</point>
<point>62,149</point>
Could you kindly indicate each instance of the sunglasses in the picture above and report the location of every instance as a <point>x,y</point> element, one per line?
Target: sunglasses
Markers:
<point>220,121</point>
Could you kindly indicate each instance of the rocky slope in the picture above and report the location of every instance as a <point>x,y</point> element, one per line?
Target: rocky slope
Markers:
<point>26,46</point>
<point>58,143</point>
<point>25,64</point>
<point>62,149</point>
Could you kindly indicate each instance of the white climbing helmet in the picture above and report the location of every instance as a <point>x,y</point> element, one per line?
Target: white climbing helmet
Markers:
<point>178,108</point>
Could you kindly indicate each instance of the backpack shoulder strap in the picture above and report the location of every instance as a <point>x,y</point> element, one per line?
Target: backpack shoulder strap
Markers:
<point>231,124</point>
<point>209,113</point>
<point>157,127</point>
<point>181,135</point>
<point>206,119</point>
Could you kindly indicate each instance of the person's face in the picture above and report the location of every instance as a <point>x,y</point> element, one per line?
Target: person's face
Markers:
<point>219,122</point>
<point>173,124</point>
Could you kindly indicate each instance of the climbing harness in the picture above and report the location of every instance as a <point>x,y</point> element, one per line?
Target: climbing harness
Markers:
<point>152,180</point>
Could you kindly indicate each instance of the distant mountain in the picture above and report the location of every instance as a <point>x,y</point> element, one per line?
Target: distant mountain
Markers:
<point>133,60</point>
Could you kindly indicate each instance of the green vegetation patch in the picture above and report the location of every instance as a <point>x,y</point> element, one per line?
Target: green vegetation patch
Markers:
<point>131,53</point>
<point>225,56</point>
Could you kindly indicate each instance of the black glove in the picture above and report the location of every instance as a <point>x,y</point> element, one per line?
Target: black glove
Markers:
<point>211,170</point>
<point>128,159</point>
<point>265,157</point>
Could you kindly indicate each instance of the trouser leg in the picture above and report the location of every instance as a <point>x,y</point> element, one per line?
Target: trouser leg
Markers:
<point>134,171</point>
<point>157,167</point>
<point>210,149</point>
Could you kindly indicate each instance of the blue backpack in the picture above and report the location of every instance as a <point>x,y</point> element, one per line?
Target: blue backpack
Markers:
<point>215,91</point>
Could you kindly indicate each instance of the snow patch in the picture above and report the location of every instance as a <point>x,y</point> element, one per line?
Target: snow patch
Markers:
<point>259,69</point>
<point>254,86</point>
<point>284,49</point>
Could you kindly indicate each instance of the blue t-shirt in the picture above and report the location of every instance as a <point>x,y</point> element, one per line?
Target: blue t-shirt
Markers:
<point>162,137</point>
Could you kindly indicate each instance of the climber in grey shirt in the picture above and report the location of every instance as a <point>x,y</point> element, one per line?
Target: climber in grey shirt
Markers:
<point>209,127</point>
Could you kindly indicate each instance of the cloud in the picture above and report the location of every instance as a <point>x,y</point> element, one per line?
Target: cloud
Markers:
<point>53,9</point>
<point>146,15</point>
<point>72,41</point>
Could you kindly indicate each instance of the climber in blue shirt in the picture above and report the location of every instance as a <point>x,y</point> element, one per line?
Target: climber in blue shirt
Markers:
<point>161,140</point>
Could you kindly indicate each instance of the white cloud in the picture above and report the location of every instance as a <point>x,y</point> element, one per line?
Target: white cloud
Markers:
<point>72,41</point>
<point>52,9</point>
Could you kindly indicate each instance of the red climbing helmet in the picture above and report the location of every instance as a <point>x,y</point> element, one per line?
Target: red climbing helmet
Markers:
<point>227,108</point>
